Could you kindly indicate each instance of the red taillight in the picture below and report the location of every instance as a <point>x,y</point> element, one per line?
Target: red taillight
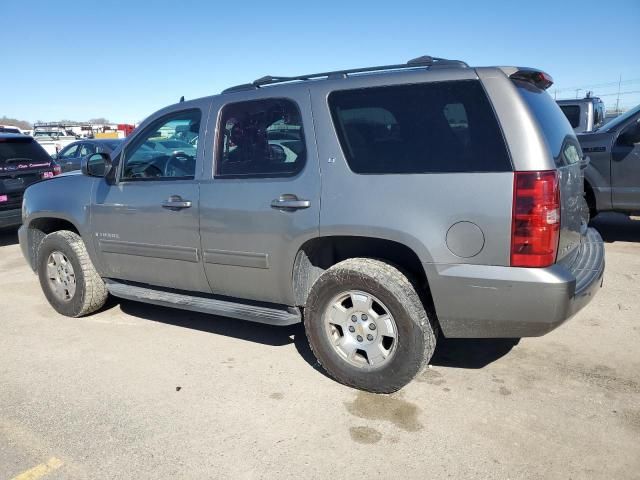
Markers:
<point>57,170</point>
<point>535,227</point>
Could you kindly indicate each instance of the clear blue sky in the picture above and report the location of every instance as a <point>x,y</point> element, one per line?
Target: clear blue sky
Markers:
<point>124,60</point>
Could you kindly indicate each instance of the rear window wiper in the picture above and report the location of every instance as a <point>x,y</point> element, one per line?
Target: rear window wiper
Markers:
<point>14,160</point>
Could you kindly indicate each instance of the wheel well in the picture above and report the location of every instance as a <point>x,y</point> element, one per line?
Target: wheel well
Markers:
<point>318,254</point>
<point>41,227</point>
<point>589,196</point>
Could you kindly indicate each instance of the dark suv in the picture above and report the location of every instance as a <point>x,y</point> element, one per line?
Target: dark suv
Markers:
<point>22,162</point>
<point>378,205</point>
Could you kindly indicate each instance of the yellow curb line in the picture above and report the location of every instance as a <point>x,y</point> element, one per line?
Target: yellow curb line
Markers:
<point>41,470</point>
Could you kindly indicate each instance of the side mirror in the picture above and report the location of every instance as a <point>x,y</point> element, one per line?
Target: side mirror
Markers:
<point>96,165</point>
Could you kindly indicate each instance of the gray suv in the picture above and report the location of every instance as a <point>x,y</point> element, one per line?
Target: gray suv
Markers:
<point>379,206</point>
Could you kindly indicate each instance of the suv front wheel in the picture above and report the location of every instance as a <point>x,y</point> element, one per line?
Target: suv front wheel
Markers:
<point>367,325</point>
<point>67,276</point>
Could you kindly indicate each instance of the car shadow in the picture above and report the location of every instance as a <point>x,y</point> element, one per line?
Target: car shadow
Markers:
<point>616,227</point>
<point>8,236</point>
<point>455,353</point>
<point>471,353</point>
<point>229,327</point>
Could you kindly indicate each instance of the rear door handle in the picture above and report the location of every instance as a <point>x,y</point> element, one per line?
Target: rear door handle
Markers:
<point>175,202</point>
<point>288,202</point>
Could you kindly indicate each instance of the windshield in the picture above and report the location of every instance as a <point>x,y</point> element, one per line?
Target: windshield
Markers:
<point>613,124</point>
<point>554,124</point>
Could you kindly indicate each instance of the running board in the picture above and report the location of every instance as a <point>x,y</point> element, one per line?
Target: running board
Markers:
<point>254,313</point>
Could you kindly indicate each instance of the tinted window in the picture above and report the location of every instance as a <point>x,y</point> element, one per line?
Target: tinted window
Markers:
<point>431,127</point>
<point>553,123</point>
<point>15,153</point>
<point>148,158</point>
<point>572,112</point>
<point>260,138</point>
<point>9,130</point>
<point>598,116</point>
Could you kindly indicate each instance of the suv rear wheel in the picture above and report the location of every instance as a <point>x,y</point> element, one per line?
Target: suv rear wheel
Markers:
<point>367,325</point>
<point>67,275</point>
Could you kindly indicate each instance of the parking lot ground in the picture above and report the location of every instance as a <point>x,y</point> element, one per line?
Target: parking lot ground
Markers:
<point>138,391</point>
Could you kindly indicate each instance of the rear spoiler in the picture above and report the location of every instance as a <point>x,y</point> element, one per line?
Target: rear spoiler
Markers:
<point>532,75</point>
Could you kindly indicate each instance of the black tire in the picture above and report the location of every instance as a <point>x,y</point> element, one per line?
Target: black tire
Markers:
<point>416,332</point>
<point>90,293</point>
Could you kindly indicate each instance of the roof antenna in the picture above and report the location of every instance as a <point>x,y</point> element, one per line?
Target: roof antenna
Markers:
<point>182,99</point>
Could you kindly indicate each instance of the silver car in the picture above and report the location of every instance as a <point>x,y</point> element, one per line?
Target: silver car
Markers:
<point>381,206</point>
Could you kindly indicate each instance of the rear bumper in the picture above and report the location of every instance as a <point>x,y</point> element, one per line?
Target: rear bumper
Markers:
<point>483,301</point>
<point>10,218</point>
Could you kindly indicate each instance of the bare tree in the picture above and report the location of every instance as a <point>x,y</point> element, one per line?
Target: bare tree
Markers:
<point>23,124</point>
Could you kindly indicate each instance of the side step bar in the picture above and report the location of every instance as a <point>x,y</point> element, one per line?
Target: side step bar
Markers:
<point>270,315</point>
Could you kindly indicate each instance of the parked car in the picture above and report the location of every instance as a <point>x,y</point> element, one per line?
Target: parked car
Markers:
<point>584,115</point>
<point>10,129</point>
<point>53,140</point>
<point>612,179</point>
<point>69,157</point>
<point>379,209</point>
<point>22,162</point>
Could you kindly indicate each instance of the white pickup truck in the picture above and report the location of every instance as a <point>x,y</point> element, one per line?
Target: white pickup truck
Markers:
<point>53,140</point>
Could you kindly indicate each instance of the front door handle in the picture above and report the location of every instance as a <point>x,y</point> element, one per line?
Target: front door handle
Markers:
<point>289,202</point>
<point>175,202</point>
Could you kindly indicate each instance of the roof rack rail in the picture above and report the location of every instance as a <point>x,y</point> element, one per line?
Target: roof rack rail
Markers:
<point>419,62</point>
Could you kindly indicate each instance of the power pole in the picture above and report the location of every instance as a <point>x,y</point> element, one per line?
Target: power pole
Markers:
<point>618,99</point>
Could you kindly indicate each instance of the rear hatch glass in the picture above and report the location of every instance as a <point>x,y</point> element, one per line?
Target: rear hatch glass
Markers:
<point>18,154</point>
<point>565,149</point>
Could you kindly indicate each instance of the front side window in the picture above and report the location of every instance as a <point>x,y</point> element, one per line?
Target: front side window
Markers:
<point>159,152</point>
<point>420,128</point>
<point>87,149</point>
<point>70,152</point>
<point>260,138</point>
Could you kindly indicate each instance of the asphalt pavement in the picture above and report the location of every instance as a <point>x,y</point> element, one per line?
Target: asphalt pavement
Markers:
<point>137,391</point>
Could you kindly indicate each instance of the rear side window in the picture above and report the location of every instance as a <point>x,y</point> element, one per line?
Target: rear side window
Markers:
<point>421,128</point>
<point>260,138</point>
<point>553,123</point>
<point>572,112</point>
<point>17,153</point>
